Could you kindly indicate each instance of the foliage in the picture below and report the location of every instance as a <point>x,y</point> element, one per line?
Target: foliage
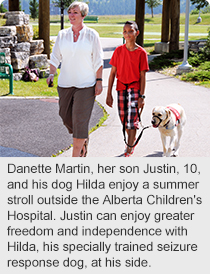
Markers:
<point>195,59</point>
<point>202,11</point>
<point>2,8</point>
<point>205,10</point>
<point>33,6</point>
<point>195,11</point>
<point>200,3</point>
<point>198,75</point>
<point>66,3</point>
<point>166,60</point>
<point>35,32</point>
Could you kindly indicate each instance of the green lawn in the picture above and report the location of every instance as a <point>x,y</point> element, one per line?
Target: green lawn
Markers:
<point>22,88</point>
<point>111,26</point>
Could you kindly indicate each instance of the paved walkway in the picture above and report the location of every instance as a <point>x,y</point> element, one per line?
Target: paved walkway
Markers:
<point>38,136</point>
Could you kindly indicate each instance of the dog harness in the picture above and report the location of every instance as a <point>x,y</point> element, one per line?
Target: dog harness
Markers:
<point>177,116</point>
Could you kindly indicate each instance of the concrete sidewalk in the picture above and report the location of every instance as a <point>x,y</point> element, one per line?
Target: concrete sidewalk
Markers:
<point>107,141</point>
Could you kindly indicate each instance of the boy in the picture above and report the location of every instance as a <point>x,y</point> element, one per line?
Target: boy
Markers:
<point>129,65</point>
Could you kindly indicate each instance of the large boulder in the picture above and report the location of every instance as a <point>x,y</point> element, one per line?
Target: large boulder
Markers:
<point>22,47</point>
<point>24,33</point>
<point>15,18</point>
<point>7,54</point>
<point>38,61</point>
<point>8,41</point>
<point>37,47</point>
<point>7,30</point>
<point>19,60</point>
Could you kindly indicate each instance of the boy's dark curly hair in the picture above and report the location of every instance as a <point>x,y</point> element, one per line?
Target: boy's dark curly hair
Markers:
<point>132,23</point>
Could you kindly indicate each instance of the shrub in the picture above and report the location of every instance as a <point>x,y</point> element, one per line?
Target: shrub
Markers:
<point>195,11</point>
<point>195,76</point>
<point>36,32</point>
<point>166,60</point>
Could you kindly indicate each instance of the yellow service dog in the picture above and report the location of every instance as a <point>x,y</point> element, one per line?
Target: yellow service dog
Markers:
<point>170,121</point>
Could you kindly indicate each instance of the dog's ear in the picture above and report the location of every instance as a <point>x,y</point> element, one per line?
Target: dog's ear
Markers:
<point>168,113</point>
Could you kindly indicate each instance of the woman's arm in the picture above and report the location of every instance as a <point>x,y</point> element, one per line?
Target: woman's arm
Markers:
<point>52,72</point>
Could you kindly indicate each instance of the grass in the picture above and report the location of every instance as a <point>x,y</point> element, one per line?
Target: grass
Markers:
<point>25,89</point>
<point>151,25</point>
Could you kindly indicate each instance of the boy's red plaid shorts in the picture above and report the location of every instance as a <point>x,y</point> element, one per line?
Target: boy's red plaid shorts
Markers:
<point>132,119</point>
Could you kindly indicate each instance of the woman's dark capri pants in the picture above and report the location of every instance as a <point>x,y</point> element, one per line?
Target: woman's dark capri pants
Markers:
<point>76,106</point>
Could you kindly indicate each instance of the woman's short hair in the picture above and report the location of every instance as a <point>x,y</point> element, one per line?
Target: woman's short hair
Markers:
<point>82,6</point>
<point>132,23</point>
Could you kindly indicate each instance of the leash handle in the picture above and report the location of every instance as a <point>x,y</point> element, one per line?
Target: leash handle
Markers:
<point>138,139</point>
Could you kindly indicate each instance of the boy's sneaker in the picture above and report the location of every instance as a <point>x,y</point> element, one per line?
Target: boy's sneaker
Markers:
<point>127,154</point>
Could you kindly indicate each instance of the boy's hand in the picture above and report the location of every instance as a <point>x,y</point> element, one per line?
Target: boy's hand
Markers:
<point>109,100</point>
<point>141,103</point>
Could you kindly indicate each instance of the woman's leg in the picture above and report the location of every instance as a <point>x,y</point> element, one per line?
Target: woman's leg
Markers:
<point>82,109</point>
<point>77,146</point>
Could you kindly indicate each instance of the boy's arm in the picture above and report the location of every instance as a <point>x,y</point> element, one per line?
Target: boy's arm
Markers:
<point>142,88</point>
<point>109,98</point>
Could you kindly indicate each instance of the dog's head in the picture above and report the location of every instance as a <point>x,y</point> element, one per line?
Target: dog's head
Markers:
<point>160,116</point>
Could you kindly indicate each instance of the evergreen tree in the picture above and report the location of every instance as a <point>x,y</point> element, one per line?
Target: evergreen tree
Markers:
<point>33,7</point>
<point>2,8</point>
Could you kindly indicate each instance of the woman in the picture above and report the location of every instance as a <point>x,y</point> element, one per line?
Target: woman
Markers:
<point>79,50</point>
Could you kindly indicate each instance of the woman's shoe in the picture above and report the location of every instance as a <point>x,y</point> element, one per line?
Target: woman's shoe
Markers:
<point>83,152</point>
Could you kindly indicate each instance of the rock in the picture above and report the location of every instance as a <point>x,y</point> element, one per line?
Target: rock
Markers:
<point>19,60</point>
<point>17,76</point>
<point>7,54</point>
<point>38,61</point>
<point>7,31</point>
<point>15,18</point>
<point>21,47</point>
<point>24,33</point>
<point>8,41</point>
<point>37,47</point>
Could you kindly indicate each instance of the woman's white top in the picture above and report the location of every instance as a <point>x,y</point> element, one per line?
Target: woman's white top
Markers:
<point>79,60</point>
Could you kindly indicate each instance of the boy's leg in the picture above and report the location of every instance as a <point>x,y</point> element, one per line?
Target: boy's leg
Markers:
<point>131,139</point>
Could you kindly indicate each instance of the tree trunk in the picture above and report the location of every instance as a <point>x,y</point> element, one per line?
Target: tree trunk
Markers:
<point>139,17</point>
<point>13,5</point>
<point>175,16</point>
<point>165,21</point>
<point>44,24</point>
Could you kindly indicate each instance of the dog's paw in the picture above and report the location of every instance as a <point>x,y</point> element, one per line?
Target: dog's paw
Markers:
<point>175,153</point>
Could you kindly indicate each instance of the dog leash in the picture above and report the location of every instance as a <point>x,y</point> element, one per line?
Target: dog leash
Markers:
<point>126,118</point>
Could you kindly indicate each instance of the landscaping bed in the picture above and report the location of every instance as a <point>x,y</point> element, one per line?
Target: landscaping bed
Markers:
<point>168,63</point>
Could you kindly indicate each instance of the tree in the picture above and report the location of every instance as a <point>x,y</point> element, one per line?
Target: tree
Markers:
<point>165,26</point>
<point>153,4</point>
<point>2,9</point>
<point>175,18</point>
<point>139,18</point>
<point>34,9</point>
<point>199,4</point>
<point>66,3</point>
